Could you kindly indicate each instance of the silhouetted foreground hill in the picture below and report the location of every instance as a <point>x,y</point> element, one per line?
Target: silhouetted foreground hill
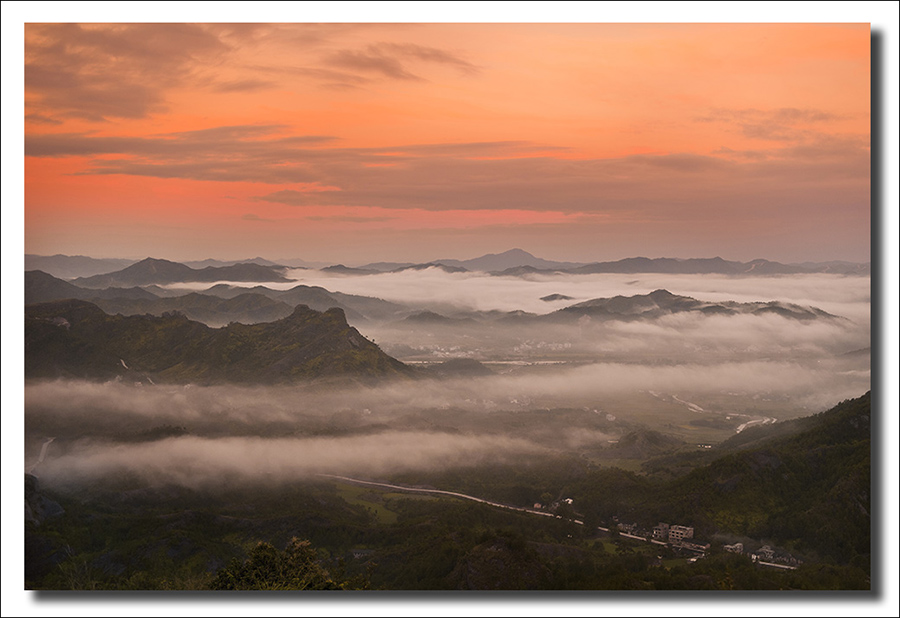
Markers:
<point>74,338</point>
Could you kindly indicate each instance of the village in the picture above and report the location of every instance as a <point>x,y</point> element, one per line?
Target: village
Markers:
<point>676,537</point>
<point>681,538</point>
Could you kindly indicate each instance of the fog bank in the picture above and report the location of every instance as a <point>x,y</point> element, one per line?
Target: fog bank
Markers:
<point>197,462</point>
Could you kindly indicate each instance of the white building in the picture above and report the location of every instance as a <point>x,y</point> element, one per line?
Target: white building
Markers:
<point>679,533</point>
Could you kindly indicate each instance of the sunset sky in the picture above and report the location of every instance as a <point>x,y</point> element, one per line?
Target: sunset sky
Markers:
<point>364,142</point>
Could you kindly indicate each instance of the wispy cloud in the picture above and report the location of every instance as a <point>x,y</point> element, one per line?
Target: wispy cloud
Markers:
<point>244,85</point>
<point>513,174</point>
<point>102,72</point>
<point>785,124</point>
<point>428,54</point>
<point>350,218</point>
<point>42,119</point>
<point>370,61</point>
<point>390,60</point>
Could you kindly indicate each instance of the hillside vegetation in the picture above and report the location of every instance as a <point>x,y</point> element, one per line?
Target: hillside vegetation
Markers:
<point>74,338</point>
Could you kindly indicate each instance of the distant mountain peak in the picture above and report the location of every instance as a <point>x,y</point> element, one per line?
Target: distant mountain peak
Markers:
<point>153,260</point>
<point>514,252</point>
<point>512,258</point>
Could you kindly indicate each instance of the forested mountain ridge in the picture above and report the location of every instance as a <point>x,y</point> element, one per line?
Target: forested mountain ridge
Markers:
<point>662,302</point>
<point>810,490</point>
<point>75,338</point>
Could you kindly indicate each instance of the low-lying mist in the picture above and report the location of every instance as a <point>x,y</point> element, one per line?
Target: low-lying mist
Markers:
<point>287,432</point>
<point>556,387</point>
<point>688,337</point>
<point>685,337</point>
<point>434,288</point>
<point>840,295</point>
<point>86,408</point>
<point>197,462</point>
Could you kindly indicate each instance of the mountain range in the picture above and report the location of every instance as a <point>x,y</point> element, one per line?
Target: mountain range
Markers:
<point>650,306</point>
<point>515,262</point>
<point>494,262</point>
<point>222,304</point>
<point>154,271</point>
<point>72,266</point>
<point>217,306</point>
<point>718,266</point>
<point>662,302</point>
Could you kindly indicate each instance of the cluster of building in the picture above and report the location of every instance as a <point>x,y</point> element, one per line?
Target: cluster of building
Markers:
<point>766,555</point>
<point>665,534</point>
<point>672,534</point>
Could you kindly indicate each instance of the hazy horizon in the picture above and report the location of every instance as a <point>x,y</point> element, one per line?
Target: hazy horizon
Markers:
<point>433,258</point>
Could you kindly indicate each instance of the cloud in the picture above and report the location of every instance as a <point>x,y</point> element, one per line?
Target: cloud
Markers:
<point>350,218</point>
<point>475,150</point>
<point>197,462</point>
<point>328,78</point>
<point>783,115</point>
<point>820,174</point>
<point>681,337</point>
<point>97,72</point>
<point>371,61</point>
<point>232,132</point>
<point>786,124</point>
<point>755,155</point>
<point>747,364</point>
<point>244,85</point>
<point>231,139</point>
<point>390,59</point>
<point>42,119</point>
<point>292,197</point>
<point>428,54</point>
<point>681,162</point>
<point>835,294</point>
<point>228,153</point>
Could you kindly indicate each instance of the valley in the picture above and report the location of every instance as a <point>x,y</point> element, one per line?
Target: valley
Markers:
<point>603,404</point>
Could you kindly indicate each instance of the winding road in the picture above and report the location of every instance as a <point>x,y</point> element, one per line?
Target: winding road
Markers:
<point>446,493</point>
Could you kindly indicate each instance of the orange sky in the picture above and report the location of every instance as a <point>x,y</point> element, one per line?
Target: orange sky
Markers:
<point>364,142</point>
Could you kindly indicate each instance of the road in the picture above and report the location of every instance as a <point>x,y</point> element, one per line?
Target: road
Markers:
<point>512,508</point>
<point>764,421</point>
<point>446,493</point>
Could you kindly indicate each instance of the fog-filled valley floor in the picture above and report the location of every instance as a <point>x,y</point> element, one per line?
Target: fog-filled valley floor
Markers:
<point>603,403</point>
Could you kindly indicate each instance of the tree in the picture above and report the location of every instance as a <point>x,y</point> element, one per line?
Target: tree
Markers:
<point>295,568</point>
